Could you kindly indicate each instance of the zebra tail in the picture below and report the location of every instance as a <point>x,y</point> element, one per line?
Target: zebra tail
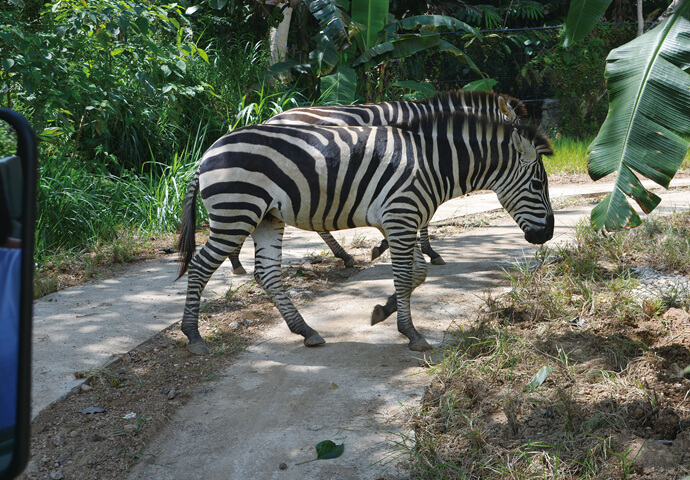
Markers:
<point>187,243</point>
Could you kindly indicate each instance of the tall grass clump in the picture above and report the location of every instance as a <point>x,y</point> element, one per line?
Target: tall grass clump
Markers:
<point>80,204</point>
<point>570,156</point>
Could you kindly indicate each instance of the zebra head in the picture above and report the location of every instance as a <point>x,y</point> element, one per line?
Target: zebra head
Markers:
<point>524,193</point>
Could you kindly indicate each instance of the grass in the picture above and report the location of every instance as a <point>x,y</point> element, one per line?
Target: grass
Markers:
<point>569,375</point>
<point>570,156</point>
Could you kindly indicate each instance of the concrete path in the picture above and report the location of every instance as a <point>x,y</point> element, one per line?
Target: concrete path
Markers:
<point>83,327</point>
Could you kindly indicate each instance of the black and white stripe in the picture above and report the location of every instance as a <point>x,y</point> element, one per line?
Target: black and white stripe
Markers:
<point>484,103</point>
<point>323,178</point>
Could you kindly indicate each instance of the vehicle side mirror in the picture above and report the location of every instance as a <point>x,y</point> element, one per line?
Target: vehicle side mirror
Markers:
<point>17,226</point>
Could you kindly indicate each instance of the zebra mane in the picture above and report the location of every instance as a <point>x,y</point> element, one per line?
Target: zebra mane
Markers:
<point>476,97</point>
<point>540,141</point>
<point>425,123</point>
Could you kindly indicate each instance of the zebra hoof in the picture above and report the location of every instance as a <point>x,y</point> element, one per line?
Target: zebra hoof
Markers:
<point>239,271</point>
<point>375,253</point>
<point>438,261</point>
<point>349,262</point>
<point>378,315</point>
<point>420,345</point>
<point>314,341</point>
<point>198,348</point>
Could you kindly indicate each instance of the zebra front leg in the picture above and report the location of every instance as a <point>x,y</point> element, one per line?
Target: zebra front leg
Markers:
<point>434,257</point>
<point>237,268</point>
<point>337,249</point>
<point>419,271</point>
<point>268,238</point>
<point>409,271</point>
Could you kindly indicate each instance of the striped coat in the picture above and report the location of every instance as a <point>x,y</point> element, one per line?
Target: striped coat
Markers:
<point>256,179</point>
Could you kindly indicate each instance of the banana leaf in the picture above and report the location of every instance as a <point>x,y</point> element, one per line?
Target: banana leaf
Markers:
<point>373,14</point>
<point>425,90</point>
<point>439,22</point>
<point>460,55</point>
<point>649,115</point>
<point>324,57</point>
<point>339,87</point>
<point>583,16</point>
<point>483,84</point>
<point>284,68</point>
<point>333,21</point>
<point>400,47</point>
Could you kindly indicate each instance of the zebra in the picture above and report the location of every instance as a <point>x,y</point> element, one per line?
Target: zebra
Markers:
<point>256,179</point>
<point>389,113</point>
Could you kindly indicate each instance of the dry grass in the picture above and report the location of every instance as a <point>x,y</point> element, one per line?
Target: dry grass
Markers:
<point>570,374</point>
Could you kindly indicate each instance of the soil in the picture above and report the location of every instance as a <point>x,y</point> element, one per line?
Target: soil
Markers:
<point>644,429</point>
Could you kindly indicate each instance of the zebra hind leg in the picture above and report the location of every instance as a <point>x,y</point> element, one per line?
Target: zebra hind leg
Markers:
<point>337,249</point>
<point>268,238</point>
<point>434,257</point>
<point>376,252</point>
<point>237,268</point>
<point>200,269</point>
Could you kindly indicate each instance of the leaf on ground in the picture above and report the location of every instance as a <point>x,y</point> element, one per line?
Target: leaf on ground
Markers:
<point>538,378</point>
<point>328,449</point>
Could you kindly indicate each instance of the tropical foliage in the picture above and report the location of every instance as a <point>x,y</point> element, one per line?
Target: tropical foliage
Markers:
<point>117,88</point>
<point>363,37</point>
<point>645,131</point>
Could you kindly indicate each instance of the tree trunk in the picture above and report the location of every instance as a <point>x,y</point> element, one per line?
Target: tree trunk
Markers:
<point>278,37</point>
<point>640,19</point>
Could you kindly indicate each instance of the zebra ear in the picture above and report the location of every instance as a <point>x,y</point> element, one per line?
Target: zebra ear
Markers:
<point>528,154</point>
<point>506,109</point>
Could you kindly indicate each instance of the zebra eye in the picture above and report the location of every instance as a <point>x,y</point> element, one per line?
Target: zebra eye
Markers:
<point>537,184</point>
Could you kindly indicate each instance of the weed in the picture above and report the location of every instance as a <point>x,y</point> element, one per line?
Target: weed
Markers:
<point>359,240</point>
<point>313,257</point>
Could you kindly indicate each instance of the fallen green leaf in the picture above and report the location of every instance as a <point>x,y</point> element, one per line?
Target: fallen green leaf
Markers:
<point>328,449</point>
<point>538,379</point>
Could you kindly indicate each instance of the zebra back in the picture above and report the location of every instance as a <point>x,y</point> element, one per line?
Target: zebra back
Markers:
<point>485,103</point>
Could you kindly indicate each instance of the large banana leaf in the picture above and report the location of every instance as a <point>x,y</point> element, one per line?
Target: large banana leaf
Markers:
<point>398,48</point>
<point>324,57</point>
<point>583,16</point>
<point>339,87</point>
<point>649,111</point>
<point>373,14</point>
<point>438,22</point>
<point>333,20</point>
<point>406,45</point>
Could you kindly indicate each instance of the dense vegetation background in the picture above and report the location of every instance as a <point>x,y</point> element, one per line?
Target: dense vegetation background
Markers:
<point>125,95</point>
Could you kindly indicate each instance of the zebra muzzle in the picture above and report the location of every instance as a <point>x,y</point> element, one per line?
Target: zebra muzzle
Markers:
<point>542,235</point>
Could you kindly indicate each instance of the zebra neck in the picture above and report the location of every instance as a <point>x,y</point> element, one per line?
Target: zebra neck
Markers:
<point>480,158</point>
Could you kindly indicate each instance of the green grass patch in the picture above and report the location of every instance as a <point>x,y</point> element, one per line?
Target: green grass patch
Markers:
<point>570,156</point>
